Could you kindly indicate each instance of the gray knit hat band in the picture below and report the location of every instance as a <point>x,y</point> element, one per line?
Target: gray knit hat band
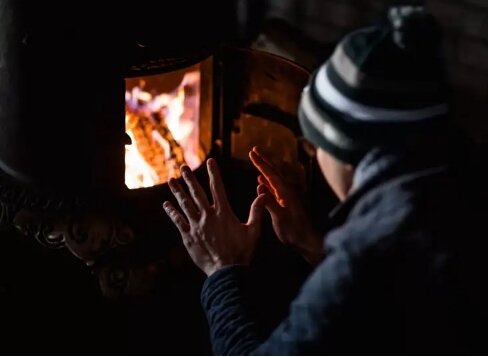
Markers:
<point>371,90</point>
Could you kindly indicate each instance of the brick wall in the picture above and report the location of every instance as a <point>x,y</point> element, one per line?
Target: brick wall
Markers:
<point>466,43</point>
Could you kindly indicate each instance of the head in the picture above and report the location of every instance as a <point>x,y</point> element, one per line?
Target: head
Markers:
<point>382,86</point>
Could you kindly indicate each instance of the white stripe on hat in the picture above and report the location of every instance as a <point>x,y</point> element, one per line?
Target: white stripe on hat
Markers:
<point>319,122</point>
<point>366,113</point>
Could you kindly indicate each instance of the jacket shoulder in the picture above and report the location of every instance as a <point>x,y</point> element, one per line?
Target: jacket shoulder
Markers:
<point>390,211</point>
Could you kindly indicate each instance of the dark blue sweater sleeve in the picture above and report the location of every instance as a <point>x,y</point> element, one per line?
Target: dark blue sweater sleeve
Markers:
<point>307,329</point>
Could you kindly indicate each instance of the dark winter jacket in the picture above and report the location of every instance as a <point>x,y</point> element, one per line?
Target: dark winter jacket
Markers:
<point>404,272</point>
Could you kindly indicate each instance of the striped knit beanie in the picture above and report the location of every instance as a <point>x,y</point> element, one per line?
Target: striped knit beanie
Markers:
<point>381,85</point>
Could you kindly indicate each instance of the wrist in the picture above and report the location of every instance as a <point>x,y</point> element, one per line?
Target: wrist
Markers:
<point>211,271</point>
<point>216,268</point>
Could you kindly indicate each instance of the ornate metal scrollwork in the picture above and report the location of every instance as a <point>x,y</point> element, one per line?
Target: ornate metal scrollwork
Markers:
<point>90,236</point>
<point>46,229</point>
<point>117,279</point>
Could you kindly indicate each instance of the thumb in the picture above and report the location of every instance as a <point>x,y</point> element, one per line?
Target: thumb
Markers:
<point>256,214</point>
<point>270,203</point>
<point>273,207</point>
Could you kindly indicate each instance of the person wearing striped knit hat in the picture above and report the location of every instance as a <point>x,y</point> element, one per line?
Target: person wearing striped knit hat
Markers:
<point>383,87</point>
<point>402,266</point>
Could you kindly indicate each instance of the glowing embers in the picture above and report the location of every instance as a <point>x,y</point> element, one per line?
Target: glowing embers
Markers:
<point>162,120</point>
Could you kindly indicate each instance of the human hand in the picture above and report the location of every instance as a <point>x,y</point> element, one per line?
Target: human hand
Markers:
<point>212,234</point>
<point>288,215</point>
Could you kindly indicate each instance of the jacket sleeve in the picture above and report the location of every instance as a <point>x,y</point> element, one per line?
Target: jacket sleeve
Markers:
<point>312,318</point>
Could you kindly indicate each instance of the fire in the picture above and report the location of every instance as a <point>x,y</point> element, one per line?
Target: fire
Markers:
<point>164,131</point>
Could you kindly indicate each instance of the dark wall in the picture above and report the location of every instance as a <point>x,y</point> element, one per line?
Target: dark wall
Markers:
<point>465,23</point>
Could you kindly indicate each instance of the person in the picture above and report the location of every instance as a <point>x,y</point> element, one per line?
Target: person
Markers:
<point>402,267</point>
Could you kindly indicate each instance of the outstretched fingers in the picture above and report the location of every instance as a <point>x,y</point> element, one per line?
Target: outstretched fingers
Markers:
<point>263,181</point>
<point>217,186</point>
<point>196,191</point>
<point>176,217</point>
<point>184,200</point>
<point>268,171</point>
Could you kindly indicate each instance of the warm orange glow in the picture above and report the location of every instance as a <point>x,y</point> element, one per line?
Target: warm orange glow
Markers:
<point>164,131</point>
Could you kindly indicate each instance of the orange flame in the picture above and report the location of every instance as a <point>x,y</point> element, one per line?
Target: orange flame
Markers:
<point>164,132</point>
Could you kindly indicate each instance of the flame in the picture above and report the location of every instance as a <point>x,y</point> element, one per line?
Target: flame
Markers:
<point>138,173</point>
<point>164,131</point>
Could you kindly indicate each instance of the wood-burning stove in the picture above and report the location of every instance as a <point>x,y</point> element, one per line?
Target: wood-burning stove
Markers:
<point>95,119</point>
<point>66,91</point>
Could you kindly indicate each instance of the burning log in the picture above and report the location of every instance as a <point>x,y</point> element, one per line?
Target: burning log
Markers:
<point>156,144</point>
<point>176,151</point>
<point>164,132</point>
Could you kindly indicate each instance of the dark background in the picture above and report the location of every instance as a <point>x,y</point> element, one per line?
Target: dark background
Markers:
<point>51,304</point>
